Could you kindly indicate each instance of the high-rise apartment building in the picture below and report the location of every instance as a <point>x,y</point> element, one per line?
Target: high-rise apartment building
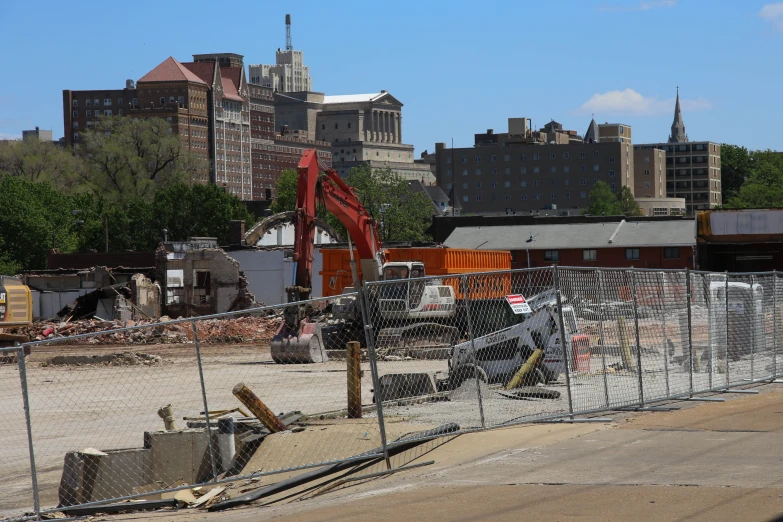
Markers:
<point>288,74</point>
<point>524,170</point>
<point>693,169</point>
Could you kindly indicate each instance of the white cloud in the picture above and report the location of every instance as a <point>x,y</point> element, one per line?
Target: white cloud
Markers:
<point>644,5</point>
<point>630,102</point>
<point>773,13</point>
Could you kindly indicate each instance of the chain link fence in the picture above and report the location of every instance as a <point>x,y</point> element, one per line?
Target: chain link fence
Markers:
<point>130,413</point>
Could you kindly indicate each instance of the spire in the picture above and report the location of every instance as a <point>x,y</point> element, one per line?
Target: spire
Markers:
<point>592,136</point>
<point>456,206</point>
<point>678,126</point>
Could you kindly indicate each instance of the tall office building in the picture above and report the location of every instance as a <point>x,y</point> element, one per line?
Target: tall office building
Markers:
<point>289,73</point>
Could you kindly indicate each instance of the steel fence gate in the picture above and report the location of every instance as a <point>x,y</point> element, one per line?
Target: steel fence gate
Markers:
<point>132,412</point>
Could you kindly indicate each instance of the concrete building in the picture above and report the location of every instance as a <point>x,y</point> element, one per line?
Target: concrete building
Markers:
<point>662,206</point>
<point>37,134</point>
<point>289,73</point>
<point>747,240</point>
<point>693,169</point>
<point>363,129</point>
<point>649,173</point>
<point>524,170</point>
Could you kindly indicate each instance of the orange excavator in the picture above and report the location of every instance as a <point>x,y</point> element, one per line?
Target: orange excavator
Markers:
<point>404,304</point>
<point>299,339</point>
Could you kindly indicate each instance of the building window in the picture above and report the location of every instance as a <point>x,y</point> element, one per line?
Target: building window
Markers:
<point>523,197</point>
<point>583,195</point>
<point>523,184</point>
<point>335,125</point>
<point>612,186</point>
<point>523,157</point>
<point>523,170</point>
<point>631,253</point>
<point>76,125</point>
<point>134,102</point>
<point>89,125</point>
<point>566,181</point>
<point>163,100</point>
<point>622,129</point>
<point>647,160</point>
<point>76,114</point>
<point>566,169</point>
<point>478,172</point>
<point>478,197</point>
<point>448,159</point>
<point>477,159</point>
<point>583,168</point>
<point>589,255</point>
<point>76,136</point>
<point>494,184</point>
<point>595,154</point>
<point>671,252</point>
<point>464,199</point>
<point>552,255</point>
<point>554,182</point>
<point>87,113</point>
<point>478,184</point>
<point>448,173</point>
<point>646,172</point>
<point>535,170</point>
<point>582,155</point>
<point>567,195</point>
<point>507,170</point>
<point>96,102</point>
<point>611,159</point>
<point>583,181</point>
<point>464,159</point>
<point>536,156</point>
<point>493,158</point>
<point>565,155</point>
<point>595,167</point>
<point>553,195</point>
<point>553,169</point>
<point>537,195</point>
<point>508,196</point>
<point>552,155</point>
<point>507,184</point>
<point>494,197</point>
<point>107,112</point>
<point>494,171</point>
<point>537,183</point>
<point>349,124</point>
<point>507,157</point>
<point>169,119</point>
<point>464,172</point>
<point>464,185</point>
<point>611,173</point>
<point>646,184</point>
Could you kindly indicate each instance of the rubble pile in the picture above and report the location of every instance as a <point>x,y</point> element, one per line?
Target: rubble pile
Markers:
<point>213,331</point>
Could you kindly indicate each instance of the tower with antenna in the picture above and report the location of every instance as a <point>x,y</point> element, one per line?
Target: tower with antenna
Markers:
<point>288,45</point>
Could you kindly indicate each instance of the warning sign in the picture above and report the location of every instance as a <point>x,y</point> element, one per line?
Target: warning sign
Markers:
<point>518,304</point>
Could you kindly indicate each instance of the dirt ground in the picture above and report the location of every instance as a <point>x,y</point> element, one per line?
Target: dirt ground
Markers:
<point>707,461</point>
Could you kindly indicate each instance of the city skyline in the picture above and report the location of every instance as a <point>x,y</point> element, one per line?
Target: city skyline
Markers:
<point>620,60</point>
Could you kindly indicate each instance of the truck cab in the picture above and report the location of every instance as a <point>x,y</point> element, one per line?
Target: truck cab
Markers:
<point>407,296</point>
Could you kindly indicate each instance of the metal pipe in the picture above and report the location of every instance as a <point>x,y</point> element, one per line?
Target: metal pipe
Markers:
<point>774,324</point>
<point>662,282</point>
<point>258,408</point>
<point>753,328</point>
<point>728,333</point>
<point>563,341</point>
<point>20,358</point>
<point>636,329</point>
<point>204,398</point>
<point>690,333</point>
<point>473,350</point>
<point>167,414</point>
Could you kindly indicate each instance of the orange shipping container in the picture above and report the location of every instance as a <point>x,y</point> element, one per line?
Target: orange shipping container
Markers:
<point>437,262</point>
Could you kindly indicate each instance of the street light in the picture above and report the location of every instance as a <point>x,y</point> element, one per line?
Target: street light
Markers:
<point>105,224</point>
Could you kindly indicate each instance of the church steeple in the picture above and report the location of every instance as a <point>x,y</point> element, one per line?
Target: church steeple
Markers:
<point>678,126</point>
<point>592,135</point>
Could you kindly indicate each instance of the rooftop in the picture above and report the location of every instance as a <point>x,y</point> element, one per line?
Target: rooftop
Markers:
<point>576,235</point>
<point>353,98</point>
<point>170,70</point>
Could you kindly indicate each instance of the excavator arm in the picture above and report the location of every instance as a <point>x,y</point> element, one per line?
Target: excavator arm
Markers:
<point>343,203</point>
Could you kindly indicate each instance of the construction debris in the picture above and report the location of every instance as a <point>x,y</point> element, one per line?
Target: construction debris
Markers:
<point>246,329</point>
<point>114,359</point>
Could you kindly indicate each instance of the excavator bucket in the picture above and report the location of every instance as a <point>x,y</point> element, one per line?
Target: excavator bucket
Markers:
<point>299,345</point>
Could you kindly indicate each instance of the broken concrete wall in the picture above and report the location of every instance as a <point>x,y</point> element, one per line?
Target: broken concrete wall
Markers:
<point>201,282</point>
<point>145,295</point>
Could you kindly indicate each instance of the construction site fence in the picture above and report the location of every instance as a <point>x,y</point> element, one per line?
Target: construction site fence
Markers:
<point>151,409</point>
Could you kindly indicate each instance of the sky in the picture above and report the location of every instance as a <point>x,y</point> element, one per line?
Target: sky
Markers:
<point>458,67</point>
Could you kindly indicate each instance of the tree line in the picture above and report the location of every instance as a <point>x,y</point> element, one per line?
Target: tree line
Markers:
<point>751,178</point>
<point>131,176</point>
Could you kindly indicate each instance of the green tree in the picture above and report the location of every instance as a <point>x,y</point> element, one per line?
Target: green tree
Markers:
<point>763,188</point>
<point>603,201</point>
<point>130,158</point>
<point>285,192</point>
<point>627,204</point>
<point>33,218</point>
<point>41,161</point>
<point>735,168</point>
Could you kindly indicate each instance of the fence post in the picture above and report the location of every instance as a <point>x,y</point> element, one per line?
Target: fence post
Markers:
<point>690,329</point>
<point>636,330</point>
<point>370,338</point>
<point>26,399</point>
<point>563,342</point>
<point>662,279</point>
<point>753,332</point>
<point>601,334</point>
<point>353,357</point>
<point>728,333</point>
<point>204,398</point>
<point>774,325</point>
<point>473,350</point>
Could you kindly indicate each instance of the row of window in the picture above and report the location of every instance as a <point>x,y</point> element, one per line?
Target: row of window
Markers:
<point>523,197</point>
<point>536,156</point>
<point>536,170</point>
<point>536,183</point>
<point>630,254</point>
<point>96,113</point>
